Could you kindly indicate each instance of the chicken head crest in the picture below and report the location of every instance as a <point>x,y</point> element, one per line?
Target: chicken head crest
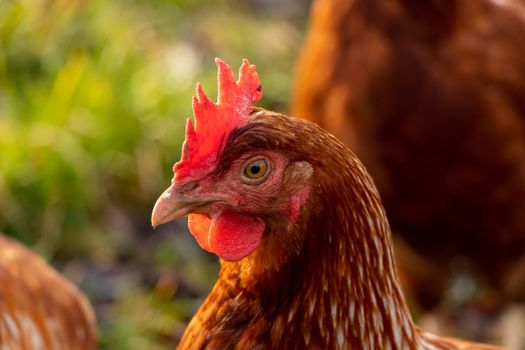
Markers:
<point>214,121</point>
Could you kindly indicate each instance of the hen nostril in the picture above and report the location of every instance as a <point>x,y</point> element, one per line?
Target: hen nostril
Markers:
<point>188,186</point>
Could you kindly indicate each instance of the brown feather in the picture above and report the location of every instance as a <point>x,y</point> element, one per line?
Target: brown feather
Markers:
<point>39,309</point>
<point>327,282</point>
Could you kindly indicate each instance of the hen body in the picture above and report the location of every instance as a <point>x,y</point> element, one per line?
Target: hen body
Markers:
<point>431,96</point>
<point>327,281</point>
<point>39,309</point>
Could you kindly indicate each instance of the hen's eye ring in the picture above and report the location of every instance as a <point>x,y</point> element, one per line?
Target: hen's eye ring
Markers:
<point>255,171</point>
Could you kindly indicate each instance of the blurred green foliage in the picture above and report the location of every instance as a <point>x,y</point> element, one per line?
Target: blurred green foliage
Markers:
<point>93,98</point>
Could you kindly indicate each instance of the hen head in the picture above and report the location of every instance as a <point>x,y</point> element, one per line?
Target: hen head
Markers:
<point>235,180</point>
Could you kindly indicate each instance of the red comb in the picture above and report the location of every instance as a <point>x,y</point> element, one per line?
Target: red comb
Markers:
<point>214,121</point>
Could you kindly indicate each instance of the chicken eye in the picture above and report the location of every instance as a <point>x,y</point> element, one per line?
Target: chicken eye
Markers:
<point>255,171</point>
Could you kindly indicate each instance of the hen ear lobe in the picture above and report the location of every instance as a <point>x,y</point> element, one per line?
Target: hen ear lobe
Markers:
<point>297,182</point>
<point>297,176</point>
<point>300,172</point>
<point>306,168</point>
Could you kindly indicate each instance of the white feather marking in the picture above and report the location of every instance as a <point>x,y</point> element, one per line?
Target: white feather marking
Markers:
<point>30,327</point>
<point>408,328</point>
<point>424,344</point>
<point>397,337</point>
<point>361,321</point>
<point>307,337</point>
<point>320,322</point>
<point>312,307</point>
<point>290,315</point>
<point>11,325</point>
<point>340,337</point>
<point>378,325</point>
<point>352,310</point>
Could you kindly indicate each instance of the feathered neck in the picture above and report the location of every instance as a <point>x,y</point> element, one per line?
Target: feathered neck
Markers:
<point>338,291</point>
<point>347,294</point>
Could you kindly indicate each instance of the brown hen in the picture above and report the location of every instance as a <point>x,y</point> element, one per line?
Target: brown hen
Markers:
<point>431,96</point>
<point>305,246</point>
<point>39,309</point>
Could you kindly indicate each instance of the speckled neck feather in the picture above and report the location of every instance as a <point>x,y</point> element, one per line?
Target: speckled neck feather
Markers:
<point>327,282</point>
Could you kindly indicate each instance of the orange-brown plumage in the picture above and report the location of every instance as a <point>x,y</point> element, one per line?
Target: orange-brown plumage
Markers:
<point>39,309</point>
<point>324,279</point>
<point>430,95</point>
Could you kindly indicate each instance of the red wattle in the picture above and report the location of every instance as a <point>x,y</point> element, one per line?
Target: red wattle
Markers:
<point>199,226</point>
<point>232,236</point>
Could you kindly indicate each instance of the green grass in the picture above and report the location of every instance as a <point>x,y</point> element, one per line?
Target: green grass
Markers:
<point>93,98</point>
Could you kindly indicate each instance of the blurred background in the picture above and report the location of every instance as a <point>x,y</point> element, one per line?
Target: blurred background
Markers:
<point>93,98</point>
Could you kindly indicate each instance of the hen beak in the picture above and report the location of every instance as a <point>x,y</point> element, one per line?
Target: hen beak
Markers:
<point>171,205</point>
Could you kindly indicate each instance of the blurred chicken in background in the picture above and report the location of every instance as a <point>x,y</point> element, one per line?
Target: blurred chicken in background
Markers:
<point>39,309</point>
<point>431,96</point>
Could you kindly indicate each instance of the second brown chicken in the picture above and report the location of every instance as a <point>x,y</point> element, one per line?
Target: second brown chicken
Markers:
<point>431,96</point>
